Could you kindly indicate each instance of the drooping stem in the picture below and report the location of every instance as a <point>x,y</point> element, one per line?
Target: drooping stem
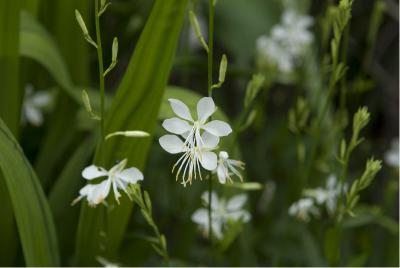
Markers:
<point>101,71</point>
<point>210,80</point>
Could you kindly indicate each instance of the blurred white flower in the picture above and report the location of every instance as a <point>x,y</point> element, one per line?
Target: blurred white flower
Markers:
<point>106,263</point>
<point>118,177</point>
<point>222,212</point>
<point>193,156</point>
<point>287,42</point>
<point>327,195</point>
<point>227,167</point>
<point>303,208</point>
<point>33,105</point>
<point>392,155</point>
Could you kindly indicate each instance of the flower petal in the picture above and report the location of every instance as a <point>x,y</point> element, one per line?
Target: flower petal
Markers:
<point>209,141</point>
<point>209,160</point>
<point>244,215</point>
<point>130,175</point>
<point>222,173</point>
<point>214,200</point>
<point>172,144</point>
<point>99,192</point>
<point>33,115</point>
<point>176,125</point>
<point>236,202</point>
<point>92,172</point>
<point>180,109</point>
<point>218,128</point>
<point>200,217</point>
<point>205,108</point>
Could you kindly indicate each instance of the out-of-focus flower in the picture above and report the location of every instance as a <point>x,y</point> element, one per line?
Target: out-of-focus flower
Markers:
<point>118,177</point>
<point>193,156</point>
<point>303,208</point>
<point>106,263</point>
<point>222,212</point>
<point>327,195</point>
<point>287,42</point>
<point>392,155</point>
<point>33,105</point>
<point>227,167</point>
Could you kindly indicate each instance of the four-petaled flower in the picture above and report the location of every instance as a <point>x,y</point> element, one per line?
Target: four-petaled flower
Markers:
<point>227,167</point>
<point>222,212</point>
<point>199,138</point>
<point>118,177</point>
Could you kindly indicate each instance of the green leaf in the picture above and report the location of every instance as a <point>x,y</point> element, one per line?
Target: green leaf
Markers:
<point>10,91</point>
<point>32,213</point>
<point>10,105</point>
<point>135,106</point>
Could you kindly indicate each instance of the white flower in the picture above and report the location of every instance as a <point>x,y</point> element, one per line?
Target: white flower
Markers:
<point>287,43</point>
<point>191,129</point>
<point>34,102</point>
<point>221,213</point>
<point>192,157</point>
<point>118,177</point>
<point>328,195</point>
<point>303,208</point>
<point>227,167</point>
<point>392,155</point>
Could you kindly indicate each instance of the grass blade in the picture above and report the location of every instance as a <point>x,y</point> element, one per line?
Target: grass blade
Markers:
<point>32,213</point>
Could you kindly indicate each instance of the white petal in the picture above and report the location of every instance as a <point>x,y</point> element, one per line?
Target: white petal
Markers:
<point>216,226</point>
<point>99,192</point>
<point>218,128</point>
<point>209,141</point>
<point>180,109</point>
<point>214,200</point>
<point>209,160</point>
<point>172,144</point>
<point>41,99</point>
<point>130,175</point>
<point>236,202</point>
<point>205,108</point>
<point>176,125</point>
<point>92,172</point>
<point>222,173</point>
<point>33,115</point>
<point>244,215</point>
<point>200,216</point>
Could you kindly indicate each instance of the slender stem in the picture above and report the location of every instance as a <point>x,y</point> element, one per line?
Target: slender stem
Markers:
<point>101,71</point>
<point>210,80</point>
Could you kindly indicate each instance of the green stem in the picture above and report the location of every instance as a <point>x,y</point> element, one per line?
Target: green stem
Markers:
<point>210,80</point>
<point>101,72</point>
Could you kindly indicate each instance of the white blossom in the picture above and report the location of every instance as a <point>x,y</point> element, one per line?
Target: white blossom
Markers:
<point>287,42</point>
<point>196,139</point>
<point>392,155</point>
<point>33,105</point>
<point>222,212</point>
<point>228,167</point>
<point>303,208</point>
<point>118,177</point>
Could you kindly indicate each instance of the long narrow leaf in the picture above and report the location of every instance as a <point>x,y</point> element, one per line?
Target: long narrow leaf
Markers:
<point>32,213</point>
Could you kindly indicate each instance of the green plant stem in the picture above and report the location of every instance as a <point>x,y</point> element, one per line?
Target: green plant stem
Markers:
<point>101,72</point>
<point>210,80</point>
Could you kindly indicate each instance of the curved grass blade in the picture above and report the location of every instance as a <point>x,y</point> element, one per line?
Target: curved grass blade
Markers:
<point>135,106</point>
<point>32,213</point>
